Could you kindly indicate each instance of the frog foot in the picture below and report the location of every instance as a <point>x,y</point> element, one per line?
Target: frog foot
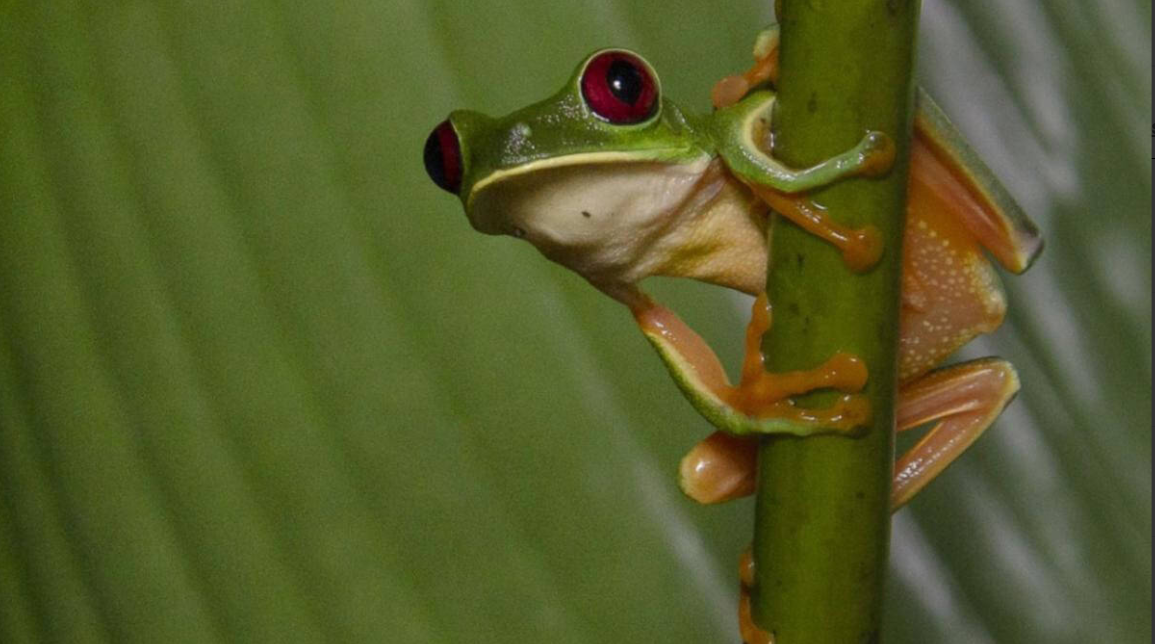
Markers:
<point>861,248</point>
<point>761,403</point>
<point>745,130</point>
<point>751,632</point>
<point>732,89</point>
<point>877,152</point>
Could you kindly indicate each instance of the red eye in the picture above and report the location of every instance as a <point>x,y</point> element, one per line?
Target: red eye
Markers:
<point>619,87</point>
<point>443,157</point>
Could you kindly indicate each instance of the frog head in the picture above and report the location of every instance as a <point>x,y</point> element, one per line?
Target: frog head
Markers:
<point>581,175</point>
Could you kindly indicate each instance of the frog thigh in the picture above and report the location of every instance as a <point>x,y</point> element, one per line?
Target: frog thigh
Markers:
<point>968,190</point>
<point>950,291</point>
<point>955,209</point>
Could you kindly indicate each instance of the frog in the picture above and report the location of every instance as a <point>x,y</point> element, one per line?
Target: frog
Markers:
<point>613,180</point>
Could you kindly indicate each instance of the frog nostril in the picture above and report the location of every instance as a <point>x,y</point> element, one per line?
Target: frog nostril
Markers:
<point>443,157</point>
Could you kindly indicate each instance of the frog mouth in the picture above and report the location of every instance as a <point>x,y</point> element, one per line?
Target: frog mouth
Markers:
<point>670,156</point>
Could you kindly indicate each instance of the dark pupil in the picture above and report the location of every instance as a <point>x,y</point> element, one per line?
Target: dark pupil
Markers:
<point>625,81</point>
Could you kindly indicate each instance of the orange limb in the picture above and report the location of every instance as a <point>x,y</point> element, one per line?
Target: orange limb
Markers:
<point>759,388</point>
<point>731,89</point>
<point>760,394</point>
<point>950,290</point>
<point>751,632</point>
<point>966,190</point>
<point>720,468</point>
<point>861,248</point>
<point>964,399</point>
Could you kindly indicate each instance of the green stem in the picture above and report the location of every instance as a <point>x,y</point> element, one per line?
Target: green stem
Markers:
<point>823,513</point>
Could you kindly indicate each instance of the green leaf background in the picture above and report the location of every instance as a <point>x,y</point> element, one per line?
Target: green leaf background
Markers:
<point>260,381</point>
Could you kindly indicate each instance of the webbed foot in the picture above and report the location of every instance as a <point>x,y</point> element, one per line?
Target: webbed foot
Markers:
<point>761,403</point>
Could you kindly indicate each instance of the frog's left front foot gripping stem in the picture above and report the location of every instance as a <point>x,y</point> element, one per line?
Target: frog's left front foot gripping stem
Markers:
<point>781,187</point>
<point>761,403</point>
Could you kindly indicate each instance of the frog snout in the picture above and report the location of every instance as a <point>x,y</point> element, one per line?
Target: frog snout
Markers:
<point>443,157</point>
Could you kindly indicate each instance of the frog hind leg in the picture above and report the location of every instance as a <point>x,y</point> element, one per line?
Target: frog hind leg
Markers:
<point>761,403</point>
<point>943,164</point>
<point>720,468</point>
<point>950,294</point>
<point>963,400</point>
<point>751,632</point>
<point>950,291</point>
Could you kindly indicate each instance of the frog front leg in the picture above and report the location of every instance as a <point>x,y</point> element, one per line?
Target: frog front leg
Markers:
<point>979,197</point>
<point>741,131</point>
<point>761,402</point>
<point>860,248</point>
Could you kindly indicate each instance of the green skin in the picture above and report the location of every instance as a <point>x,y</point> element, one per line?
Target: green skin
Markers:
<point>563,125</point>
<point>562,138</point>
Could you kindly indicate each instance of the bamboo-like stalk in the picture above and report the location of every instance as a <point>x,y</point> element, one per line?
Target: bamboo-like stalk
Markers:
<point>822,513</point>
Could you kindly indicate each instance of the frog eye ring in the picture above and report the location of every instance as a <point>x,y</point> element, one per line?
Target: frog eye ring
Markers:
<point>443,157</point>
<point>620,87</point>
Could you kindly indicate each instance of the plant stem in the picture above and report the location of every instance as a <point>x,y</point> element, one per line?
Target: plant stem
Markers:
<point>823,511</point>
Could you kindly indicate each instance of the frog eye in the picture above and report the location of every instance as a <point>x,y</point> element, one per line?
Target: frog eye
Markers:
<point>443,157</point>
<point>620,87</point>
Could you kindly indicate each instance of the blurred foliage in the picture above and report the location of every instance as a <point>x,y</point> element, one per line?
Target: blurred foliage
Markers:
<point>260,381</point>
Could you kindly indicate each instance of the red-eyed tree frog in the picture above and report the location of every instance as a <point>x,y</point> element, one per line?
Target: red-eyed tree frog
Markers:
<point>613,180</point>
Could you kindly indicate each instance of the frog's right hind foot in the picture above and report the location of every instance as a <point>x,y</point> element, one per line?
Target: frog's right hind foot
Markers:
<point>751,632</point>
